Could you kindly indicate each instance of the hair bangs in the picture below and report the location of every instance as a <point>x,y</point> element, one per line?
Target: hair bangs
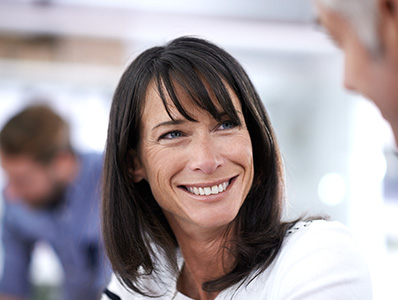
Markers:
<point>201,84</point>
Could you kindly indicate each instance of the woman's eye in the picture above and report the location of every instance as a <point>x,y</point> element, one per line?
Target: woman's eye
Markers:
<point>227,125</point>
<point>171,135</point>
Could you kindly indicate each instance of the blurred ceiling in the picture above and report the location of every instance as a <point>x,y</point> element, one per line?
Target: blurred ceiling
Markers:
<point>280,10</point>
<point>73,33</point>
<point>245,24</point>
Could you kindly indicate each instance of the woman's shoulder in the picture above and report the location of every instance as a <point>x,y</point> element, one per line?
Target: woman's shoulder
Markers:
<point>320,259</point>
<point>321,244</point>
<point>318,233</point>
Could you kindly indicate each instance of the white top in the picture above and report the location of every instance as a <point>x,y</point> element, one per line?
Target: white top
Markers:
<point>319,260</point>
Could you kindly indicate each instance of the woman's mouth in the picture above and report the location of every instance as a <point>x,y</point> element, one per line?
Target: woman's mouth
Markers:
<point>209,190</point>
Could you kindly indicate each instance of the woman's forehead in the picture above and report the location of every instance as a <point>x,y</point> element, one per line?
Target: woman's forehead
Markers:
<point>154,102</point>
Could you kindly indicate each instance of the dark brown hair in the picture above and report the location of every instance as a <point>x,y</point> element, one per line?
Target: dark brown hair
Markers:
<point>37,131</point>
<point>134,227</point>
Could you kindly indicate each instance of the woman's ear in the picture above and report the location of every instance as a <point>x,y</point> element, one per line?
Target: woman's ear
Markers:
<point>136,169</point>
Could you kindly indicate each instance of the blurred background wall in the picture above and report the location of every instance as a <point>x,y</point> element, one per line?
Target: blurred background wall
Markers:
<point>338,151</point>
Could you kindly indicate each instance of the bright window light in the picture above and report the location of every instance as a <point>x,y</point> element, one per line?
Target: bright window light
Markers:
<point>332,189</point>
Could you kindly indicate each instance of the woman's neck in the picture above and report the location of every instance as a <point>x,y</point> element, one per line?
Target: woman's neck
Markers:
<point>204,260</point>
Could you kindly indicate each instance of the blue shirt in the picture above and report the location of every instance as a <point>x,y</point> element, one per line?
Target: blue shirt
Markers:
<point>72,229</point>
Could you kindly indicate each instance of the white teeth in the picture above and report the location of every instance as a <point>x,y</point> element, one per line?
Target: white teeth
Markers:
<point>201,191</point>
<point>207,190</point>
<point>225,185</point>
<point>213,190</point>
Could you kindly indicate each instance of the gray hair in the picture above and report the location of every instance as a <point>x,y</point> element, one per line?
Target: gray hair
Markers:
<point>363,16</point>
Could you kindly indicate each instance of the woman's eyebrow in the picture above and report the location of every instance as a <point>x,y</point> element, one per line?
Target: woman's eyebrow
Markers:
<point>181,121</point>
<point>170,122</point>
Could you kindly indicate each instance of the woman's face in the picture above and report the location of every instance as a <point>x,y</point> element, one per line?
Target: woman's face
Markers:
<point>199,172</point>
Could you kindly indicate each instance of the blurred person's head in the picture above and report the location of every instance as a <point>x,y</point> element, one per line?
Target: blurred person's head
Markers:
<point>367,32</point>
<point>37,156</point>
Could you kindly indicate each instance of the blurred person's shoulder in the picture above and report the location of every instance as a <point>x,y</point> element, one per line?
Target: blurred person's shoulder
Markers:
<point>90,162</point>
<point>91,157</point>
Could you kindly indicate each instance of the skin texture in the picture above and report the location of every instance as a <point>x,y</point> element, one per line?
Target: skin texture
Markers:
<point>180,154</point>
<point>374,76</point>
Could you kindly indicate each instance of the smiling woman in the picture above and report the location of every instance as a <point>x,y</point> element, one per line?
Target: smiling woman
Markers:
<point>222,157</point>
<point>193,191</point>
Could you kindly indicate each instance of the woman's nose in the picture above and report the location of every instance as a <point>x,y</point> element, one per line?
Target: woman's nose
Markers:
<point>205,155</point>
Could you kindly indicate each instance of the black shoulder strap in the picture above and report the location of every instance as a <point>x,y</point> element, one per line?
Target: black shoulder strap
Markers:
<point>111,295</point>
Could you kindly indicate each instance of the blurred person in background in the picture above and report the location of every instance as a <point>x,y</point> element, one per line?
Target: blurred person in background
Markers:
<point>367,32</point>
<point>52,195</point>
